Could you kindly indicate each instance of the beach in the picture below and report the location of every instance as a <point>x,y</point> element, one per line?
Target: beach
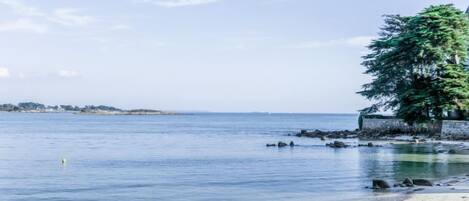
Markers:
<point>458,192</point>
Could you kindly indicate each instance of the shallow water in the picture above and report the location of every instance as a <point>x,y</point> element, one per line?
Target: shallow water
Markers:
<point>198,157</point>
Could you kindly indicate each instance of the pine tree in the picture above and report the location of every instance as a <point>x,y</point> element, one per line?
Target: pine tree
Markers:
<point>417,64</point>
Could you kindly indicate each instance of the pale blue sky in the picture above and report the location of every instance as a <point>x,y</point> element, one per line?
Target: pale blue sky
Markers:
<point>210,55</point>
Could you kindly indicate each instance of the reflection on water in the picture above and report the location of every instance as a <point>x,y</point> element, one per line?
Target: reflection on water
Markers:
<point>198,157</point>
<point>398,161</point>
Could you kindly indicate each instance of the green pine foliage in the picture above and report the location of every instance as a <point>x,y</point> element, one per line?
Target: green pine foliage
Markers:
<point>417,65</point>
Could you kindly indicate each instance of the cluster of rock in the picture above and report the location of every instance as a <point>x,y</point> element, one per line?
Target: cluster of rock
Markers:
<point>337,144</point>
<point>329,134</point>
<point>408,182</point>
<point>282,144</point>
<point>89,109</point>
<point>340,144</point>
<point>347,134</point>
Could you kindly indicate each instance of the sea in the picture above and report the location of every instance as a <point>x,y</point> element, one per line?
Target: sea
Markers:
<point>201,157</point>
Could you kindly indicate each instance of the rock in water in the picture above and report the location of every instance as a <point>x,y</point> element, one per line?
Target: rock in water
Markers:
<point>422,182</point>
<point>292,144</point>
<point>337,144</point>
<point>270,145</point>
<point>380,184</point>
<point>370,144</point>
<point>408,182</point>
<point>282,144</point>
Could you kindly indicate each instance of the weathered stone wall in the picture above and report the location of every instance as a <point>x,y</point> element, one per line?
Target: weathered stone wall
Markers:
<point>373,124</point>
<point>447,128</point>
<point>398,125</point>
<point>455,129</point>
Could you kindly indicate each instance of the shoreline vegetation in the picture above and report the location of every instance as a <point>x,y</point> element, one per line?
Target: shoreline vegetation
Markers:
<point>419,66</point>
<point>32,107</point>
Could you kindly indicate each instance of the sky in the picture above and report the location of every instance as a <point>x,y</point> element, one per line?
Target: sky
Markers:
<point>193,55</point>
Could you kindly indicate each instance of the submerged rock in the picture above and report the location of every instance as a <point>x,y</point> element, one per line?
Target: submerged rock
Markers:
<point>282,144</point>
<point>380,184</point>
<point>328,134</point>
<point>408,182</point>
<point>422,182</point>
<point>337,144</point>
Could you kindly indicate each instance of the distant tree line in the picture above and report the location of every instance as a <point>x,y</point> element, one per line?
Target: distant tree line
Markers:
<point>419,66</point>
<point>31,106</point>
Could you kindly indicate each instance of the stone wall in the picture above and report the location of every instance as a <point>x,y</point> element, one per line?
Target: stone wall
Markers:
<point>447,128</point>
<point>455,129</point>
<point>373,124</point>
<point>398,125</point>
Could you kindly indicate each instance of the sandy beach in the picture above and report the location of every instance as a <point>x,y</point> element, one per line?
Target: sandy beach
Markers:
<point>457,192</point>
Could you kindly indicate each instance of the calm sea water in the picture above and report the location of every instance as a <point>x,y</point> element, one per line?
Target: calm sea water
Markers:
<point>197,157</point>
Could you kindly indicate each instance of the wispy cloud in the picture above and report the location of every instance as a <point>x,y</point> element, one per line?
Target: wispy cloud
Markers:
<point>357,41</point>
<point>4,72</point>
<point>70,17</point>
<point>62,16</point>
<point>23,25</point>
<point>22,9</point>
<point>178,3</point>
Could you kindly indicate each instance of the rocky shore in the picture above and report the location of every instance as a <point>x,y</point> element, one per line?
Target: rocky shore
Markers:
<point>413,189</point>
<point>375,135</point>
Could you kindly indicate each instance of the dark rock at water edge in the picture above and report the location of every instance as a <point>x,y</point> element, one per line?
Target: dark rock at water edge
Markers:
<point>328,134</point>
<point>270,145</point>
<point>337,144</point>
<point>380,184</point>
<point>282,144</point>
<point>408,182</point>
<point>422,182</point>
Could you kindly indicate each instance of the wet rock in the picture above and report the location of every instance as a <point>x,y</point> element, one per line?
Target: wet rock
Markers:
<point>282,144</point>
<point>452,151</point>
<point>380,184</point>
<point>329,134</point>
<point>440,151</point>
<point>337,144</point>
<point>323,138</point>
<point>408,182</point>
<point>370,144</point>
<point>270,145</point>
<point>292,144</point>
<point>422,182</point>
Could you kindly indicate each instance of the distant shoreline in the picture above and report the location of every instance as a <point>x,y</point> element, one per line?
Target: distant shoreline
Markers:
<point>31,107</point>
